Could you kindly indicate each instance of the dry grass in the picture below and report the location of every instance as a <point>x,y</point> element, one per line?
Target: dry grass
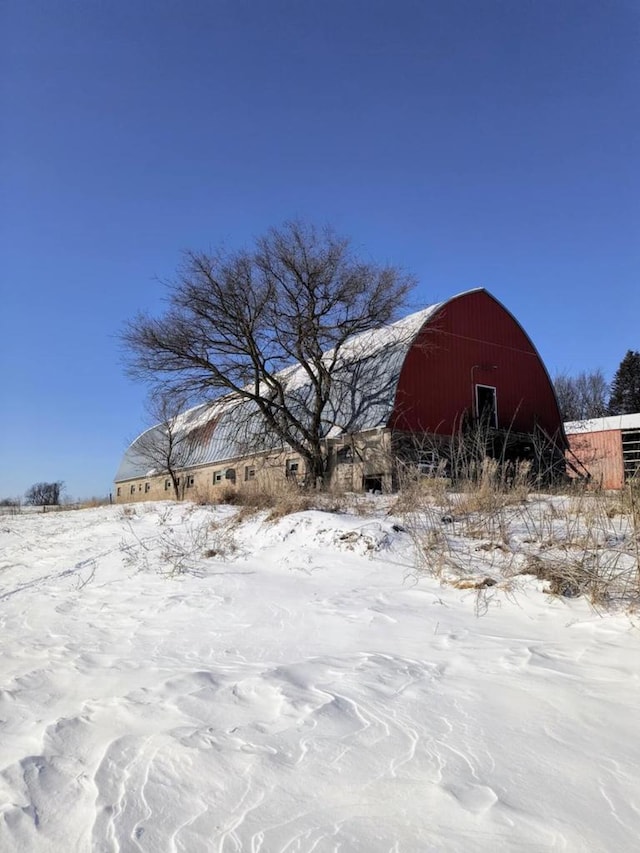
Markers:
<point>580,543</point>
<point>290,503</point>
<point>276,501</point>
<point>490,528</point>
<point>91,503</point>
<point>474,583</point>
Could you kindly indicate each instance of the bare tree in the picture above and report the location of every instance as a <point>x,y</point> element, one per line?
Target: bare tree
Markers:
<point>567,397</point>
<point>11,503</point>
<point>44,494</point>
<point>166,447</point>
<point>239,322</point>
<point>583,396</point>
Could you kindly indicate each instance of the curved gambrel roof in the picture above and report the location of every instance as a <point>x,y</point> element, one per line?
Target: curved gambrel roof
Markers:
<point>363,393</point>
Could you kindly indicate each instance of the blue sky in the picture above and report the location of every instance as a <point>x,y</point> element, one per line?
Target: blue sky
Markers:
<point>487,143</point>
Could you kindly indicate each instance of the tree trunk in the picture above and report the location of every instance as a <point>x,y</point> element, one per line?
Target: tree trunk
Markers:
<point>317,465</point>
<point>176,487</point>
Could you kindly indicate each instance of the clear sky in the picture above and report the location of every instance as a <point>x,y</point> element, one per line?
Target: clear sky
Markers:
<point>484,143</point>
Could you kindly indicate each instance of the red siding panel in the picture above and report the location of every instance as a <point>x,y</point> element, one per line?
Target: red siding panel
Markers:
<point>473,340</point>
<point>601,454</point>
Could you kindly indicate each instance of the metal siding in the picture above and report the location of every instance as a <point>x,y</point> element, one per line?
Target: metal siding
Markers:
<point>601,455</point>
<point>435,387</point>
<point>363,390</point>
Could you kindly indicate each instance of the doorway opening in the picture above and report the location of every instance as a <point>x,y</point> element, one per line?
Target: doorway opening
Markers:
<point>486,405</point>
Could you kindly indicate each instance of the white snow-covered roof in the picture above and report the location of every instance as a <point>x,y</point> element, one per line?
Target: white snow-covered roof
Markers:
<point>602,424</point>
<point>362,397</point>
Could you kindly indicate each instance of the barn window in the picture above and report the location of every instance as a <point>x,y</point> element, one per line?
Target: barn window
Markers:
<point>167,485</point>
<point>373,483</point>
<point>218,476</point>
<point>631,453</point>
<point>292,467</point>
<point>486,405</point>
<point>147,486</point>
<point>344,455</point>
<point>190,481</point>
<point>118,492</point>
<point>249,473</point>
<point>133,488</point>
<point>230,474</point>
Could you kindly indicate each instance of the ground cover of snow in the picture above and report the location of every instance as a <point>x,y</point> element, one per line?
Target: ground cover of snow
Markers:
<point>170,684</point>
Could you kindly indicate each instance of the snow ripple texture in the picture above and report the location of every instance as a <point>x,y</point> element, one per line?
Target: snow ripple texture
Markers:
<point>304,693</point>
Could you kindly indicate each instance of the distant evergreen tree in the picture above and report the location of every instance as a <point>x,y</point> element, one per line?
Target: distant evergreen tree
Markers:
<point>625,388</point>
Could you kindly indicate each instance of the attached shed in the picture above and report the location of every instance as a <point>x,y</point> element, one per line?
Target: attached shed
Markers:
<point>434,373</point>
<point>606,449</point>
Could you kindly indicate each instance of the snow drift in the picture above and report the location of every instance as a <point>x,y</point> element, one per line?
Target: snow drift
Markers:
<point>169,686</point>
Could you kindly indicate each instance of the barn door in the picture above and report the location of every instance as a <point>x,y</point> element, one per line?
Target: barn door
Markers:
<point>486,405</point>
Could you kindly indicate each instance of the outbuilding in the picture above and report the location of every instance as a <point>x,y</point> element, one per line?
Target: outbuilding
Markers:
<point>449,368</point>
<point>607,449</point>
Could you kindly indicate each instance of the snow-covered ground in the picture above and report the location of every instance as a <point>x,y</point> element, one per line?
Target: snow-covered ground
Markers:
<point>296,687</point>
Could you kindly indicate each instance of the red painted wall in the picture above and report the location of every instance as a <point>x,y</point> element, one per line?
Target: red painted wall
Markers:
<point>435,386</point>
<point>601,454</point>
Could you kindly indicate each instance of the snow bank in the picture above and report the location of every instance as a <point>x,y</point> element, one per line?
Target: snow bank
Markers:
<point>302,690</point>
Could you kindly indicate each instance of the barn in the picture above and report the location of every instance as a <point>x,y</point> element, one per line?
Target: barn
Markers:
<point>400,391</point>
<point>607,449</point>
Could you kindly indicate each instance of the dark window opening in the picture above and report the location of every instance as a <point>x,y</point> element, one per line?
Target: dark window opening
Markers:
<point>373,484</point>
<point>344,455</point>
<point>486,406</point>
<point>249,473</point>
<point>147,487</point>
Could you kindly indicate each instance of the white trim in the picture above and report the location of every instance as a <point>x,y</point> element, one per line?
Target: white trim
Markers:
<point>495,402</point>
<point>601,424</point>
